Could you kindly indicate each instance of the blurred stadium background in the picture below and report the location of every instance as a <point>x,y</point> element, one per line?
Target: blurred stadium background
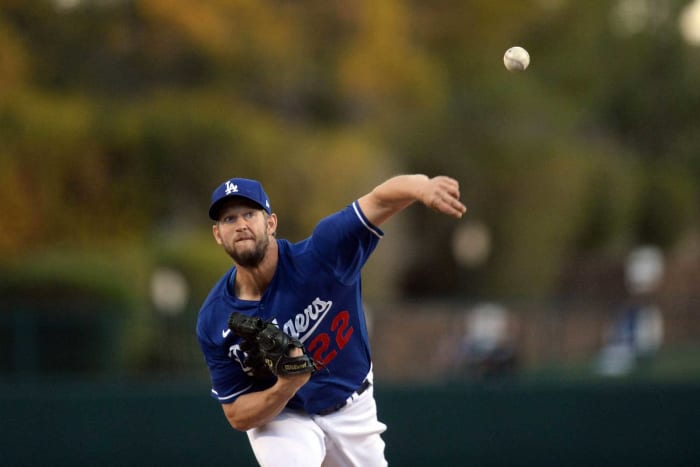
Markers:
<point>557,324</point>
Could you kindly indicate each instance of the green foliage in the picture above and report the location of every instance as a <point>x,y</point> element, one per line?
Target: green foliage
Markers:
<point>668,204</point>
<point>117,119</point>
<point>71,274</point>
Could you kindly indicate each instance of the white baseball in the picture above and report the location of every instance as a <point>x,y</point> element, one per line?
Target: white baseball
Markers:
<point>516,59</point>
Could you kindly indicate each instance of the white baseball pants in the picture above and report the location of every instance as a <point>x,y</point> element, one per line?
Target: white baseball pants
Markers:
<point>350,437</point>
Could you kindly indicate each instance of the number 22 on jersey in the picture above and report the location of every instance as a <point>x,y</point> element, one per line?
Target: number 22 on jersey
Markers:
<point>321,347</point>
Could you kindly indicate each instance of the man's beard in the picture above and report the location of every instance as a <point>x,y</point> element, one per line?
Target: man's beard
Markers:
<point>250,258</point>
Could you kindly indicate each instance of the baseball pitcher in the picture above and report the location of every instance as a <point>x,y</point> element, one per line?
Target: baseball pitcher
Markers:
<point>283,331</point>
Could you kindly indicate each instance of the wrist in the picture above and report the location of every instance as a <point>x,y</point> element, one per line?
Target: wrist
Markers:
<point>284,390</point>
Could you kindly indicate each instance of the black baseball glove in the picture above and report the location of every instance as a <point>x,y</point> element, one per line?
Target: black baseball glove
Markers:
<point>267,347</point>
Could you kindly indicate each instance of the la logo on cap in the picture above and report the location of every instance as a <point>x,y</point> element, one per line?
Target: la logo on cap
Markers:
<point>231,188</point>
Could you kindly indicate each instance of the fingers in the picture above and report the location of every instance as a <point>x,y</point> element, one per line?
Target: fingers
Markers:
<point>444,197</point>
<point>451,207</point>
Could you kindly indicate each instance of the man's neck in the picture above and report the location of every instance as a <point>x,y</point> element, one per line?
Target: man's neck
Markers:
<point>251,283</point>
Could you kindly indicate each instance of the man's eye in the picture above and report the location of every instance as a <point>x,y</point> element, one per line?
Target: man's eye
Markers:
<point>249,215</point>
<point>228,220</point>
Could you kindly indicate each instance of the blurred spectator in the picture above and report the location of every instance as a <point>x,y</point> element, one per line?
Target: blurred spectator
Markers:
<point>637,334</point>
<point>635,337</point>
<point>487,350</point>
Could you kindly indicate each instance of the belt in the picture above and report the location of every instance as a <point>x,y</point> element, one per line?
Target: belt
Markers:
<point>334,408</point>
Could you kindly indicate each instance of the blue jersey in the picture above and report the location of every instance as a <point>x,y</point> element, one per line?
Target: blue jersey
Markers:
<point>315,296</point>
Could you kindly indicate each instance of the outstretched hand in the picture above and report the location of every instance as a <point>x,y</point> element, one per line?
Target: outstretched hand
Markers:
<point>441,193</point>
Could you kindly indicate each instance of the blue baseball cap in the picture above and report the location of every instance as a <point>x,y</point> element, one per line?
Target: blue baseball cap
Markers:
<point>241,187</point>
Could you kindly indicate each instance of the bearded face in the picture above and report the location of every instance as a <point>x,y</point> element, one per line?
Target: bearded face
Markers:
<point>249,250</point>
<point>244,231</point>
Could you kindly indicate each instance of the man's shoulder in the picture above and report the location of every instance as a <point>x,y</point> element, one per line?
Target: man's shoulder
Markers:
<point>217,293</point>
<point>288,248</point>
<point>300,259</point>
<point>207,321</point>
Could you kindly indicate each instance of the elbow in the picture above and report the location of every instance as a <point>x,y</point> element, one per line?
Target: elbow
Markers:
<point>237,423</point>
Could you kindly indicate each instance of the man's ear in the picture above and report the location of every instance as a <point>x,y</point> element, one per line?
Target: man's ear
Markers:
<point>217,235</point>
<point>272,224</point>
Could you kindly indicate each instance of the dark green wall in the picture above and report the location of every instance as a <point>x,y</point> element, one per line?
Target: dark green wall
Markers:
<point>178,424</point>
<point>544,426</point>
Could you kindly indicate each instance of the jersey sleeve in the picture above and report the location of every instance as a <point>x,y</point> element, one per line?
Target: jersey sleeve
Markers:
<point>225,386</point>
<point>228,381</point>
<point>345,240</point>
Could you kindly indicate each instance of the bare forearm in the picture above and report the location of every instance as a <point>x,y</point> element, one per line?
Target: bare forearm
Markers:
<point>397,193</point>
<point>391,196</point>
<point>258,408</point>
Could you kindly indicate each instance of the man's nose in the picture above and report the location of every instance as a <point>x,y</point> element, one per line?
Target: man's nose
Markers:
<point>240,224</point>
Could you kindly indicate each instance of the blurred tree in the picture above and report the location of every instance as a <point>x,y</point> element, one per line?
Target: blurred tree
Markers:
<point>118,118</point>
